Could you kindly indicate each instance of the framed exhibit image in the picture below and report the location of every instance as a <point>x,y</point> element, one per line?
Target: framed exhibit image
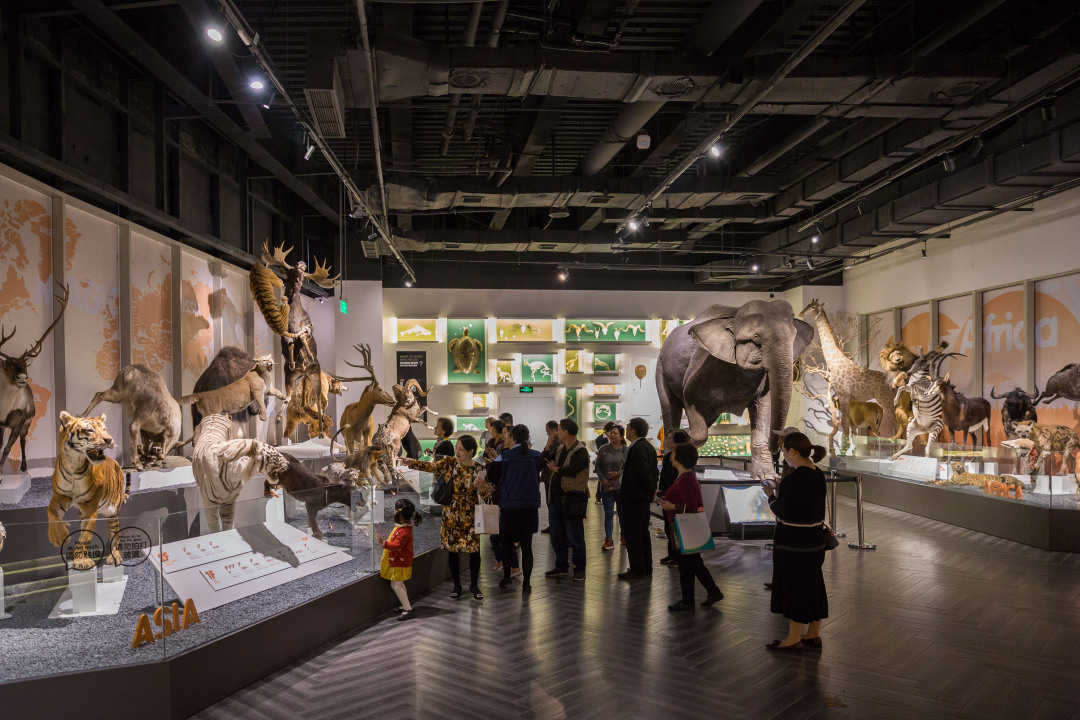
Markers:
<point>605,363</point>
<point>572,404</point>
<point>574,361</point>
<point>600,390</point>
<point>915,327</point>
<point>1004,336</point>
<point>955,327</point>
<point>466,351</point>
<point>1057,325</point>
<point>537,368</point>
<point>602,412</point>
<point>151,308</point>
<point>579,330</point>
<point>469,425</point>
<point>411,330</point>
<point>504,372</point>
<point>524,330</point>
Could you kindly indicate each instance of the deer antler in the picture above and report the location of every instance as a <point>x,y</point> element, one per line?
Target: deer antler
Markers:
<point>321,276</point>
<point>365,352</point>
<point>34,349</point>
<point>277,257</point>
<point>4,338</point>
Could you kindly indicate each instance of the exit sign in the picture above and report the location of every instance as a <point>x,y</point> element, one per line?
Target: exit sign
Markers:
<point>344,308</point>
<point>525,389</point>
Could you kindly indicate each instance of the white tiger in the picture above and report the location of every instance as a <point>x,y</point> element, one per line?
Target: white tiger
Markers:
<point>221,467</point>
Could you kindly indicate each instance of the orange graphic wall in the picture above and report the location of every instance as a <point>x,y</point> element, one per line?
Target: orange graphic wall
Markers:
<point>1057,342</point>
<point>1004,338</point>
<point>955,328</point>
<point>915,327</point>
<point>151,306</point>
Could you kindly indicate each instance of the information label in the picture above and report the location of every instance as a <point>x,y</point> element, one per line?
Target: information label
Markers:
<point>248,566</point>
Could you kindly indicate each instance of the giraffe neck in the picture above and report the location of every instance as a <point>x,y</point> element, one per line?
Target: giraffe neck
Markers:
<point>835,358</point>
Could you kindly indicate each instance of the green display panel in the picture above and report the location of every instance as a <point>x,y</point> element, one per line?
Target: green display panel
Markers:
<point>574,362</point>
<point>613,331</point>
<point>571,404</point>
<point>537,369</point>
<point>469,425</point>
<point>427,447</point>
<point>603,412</point>
<point>504,372</point>
<point>604,362</point>
<point>728,445</point>
<point>466,351</point>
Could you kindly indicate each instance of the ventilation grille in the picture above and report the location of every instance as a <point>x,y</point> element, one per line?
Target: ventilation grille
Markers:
<point>472,199</point>
<point>675,88</point>
<point>599,200</point>
<point>370,248</point>
<point>322,87</point>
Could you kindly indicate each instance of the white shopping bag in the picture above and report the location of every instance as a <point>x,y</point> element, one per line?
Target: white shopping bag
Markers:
<point>693,533</point>
<point>486,519</point>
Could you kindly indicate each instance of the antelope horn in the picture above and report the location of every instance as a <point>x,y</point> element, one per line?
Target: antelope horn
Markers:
<point>935,364</point>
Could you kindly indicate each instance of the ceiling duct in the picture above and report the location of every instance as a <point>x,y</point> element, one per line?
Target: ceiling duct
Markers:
<point>322,88</point>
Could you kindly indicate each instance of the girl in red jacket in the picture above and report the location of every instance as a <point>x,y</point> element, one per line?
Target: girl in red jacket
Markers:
<point>397,554</point>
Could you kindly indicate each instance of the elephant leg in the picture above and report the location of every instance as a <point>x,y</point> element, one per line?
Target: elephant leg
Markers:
<point>761,466</point>
<point>671,408</point>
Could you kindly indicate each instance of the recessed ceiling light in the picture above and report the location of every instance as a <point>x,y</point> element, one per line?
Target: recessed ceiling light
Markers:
<point>715,151</point>
<point>256,84</point>
<point>214,34</point>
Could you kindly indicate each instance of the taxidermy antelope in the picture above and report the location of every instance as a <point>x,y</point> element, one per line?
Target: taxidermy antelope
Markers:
<point>16,397</point>
<point>964,414</point>
<point>357,423</point>
<point>288,318</point>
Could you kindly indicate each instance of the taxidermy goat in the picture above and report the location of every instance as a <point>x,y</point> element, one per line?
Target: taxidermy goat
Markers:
<point>17,408</point>
<point>236,396</point>
<point>153,411</point>
<point>407,410</point>
<point>316,491</point>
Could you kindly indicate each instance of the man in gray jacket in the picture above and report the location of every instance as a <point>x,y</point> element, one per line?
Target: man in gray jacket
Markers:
<point>569,499</point>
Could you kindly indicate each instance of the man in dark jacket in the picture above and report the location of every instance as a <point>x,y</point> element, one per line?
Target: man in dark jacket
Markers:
<point>569,473</point>
<point>639,481</point>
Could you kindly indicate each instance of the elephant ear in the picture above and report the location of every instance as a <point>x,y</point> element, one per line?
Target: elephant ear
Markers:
<point>717,335</point>
<point>804,335</point>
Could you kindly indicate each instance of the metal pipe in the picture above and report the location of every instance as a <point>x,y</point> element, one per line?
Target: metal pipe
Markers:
<point>862,544</point>
<point>782,72</point>
<point>624,127</point>
<point>455,100</point>
<point>492,42</point>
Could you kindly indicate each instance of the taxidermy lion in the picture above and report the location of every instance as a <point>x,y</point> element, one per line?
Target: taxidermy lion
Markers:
<point>234,397</point>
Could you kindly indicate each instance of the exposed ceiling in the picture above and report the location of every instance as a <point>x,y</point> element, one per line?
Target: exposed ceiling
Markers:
<point>512,128</point>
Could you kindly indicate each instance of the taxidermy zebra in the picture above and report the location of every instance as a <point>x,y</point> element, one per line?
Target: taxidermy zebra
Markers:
<point>927,409</point>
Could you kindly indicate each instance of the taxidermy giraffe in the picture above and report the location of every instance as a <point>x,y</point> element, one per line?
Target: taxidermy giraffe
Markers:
<point>848,380</point>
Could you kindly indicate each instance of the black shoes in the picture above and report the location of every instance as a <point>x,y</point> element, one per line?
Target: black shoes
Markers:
<point>632,575</point>
<point>406,614</point>
<point>681,607</point>
<point>557,572</point>
<point>505,583</point>
<point>526,588</point>
<point>669,560</point>
<point>579,575</point>
<point>476,592</point>
<point>713,599</point>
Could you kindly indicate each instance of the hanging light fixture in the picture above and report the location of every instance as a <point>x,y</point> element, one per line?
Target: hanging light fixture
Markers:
<point>256,84</point>
<point>214,33</point>
<point>564,274</point>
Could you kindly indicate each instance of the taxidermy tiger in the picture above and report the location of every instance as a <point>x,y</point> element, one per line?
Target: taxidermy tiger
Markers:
<point>234,397</point>
<point>85,476</point>
<point>222,465</point>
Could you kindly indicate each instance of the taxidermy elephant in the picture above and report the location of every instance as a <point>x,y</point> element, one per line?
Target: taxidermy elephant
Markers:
<point>732,359</point>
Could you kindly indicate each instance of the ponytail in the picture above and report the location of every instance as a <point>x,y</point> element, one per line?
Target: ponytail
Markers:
<point>521,437</point>
<point>801,444</point>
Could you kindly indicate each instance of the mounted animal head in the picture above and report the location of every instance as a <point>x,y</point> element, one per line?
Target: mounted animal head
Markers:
<point>16,368</point>
<point>896,357</point>
<point>1018,404</point>
<point>86,436</point>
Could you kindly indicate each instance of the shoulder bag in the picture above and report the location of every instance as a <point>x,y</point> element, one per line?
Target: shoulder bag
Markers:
<point>442,489</point>
<point>693,533</point>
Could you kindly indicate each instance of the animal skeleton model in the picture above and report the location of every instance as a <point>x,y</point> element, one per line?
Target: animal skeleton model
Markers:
<point>599,364</point>
<point>357,424</point>
<point>407,410</point>
<point>465,352</point>
<point>417,329</point>
<point>303,405</point>
<point>470,427</point>
<point>578,329</point>
<point>505,377</point>
<point>635,329</point>
<point>962,477</point>
<point>573,362</point>
<point>539,367</point>
<point>927,409</point>
<point>1018,407</point>
<point>16,396</point>
<point>602,326</point>
<point>1047,439</point>
<point>86,477</point>
<point>222,466</point>
<point>603,412</point>
<point>288,318</point>
<point>1065,383</point>
<point>153,412</point>
<point>964,414</point>
<point>234,397</point>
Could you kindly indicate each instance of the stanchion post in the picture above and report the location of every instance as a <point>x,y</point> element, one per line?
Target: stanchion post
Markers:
<point>862,544</point>
<point>832,506</point>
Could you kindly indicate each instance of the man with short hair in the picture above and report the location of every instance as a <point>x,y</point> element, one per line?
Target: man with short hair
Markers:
<point>569,481</point>
<point>638,487</point>
<point>551,448</point>
<point>507,418</point>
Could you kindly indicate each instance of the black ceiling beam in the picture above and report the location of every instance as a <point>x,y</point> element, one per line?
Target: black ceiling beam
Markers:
<point>131,41</point>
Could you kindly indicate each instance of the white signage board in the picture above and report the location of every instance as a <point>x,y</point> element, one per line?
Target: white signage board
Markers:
<point>914,468</point>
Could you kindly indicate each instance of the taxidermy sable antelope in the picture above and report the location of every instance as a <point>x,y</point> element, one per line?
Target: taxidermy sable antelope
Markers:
<point>153,411</point>
<point>964,414</point>
<point>16,397</point>
<point>288,318</point>
<point>357,423</point>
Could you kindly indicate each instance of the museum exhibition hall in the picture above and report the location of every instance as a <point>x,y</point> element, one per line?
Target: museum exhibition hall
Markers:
<point>311,308</point>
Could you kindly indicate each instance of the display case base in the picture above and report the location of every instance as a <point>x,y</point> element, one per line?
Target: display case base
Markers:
<point>13,487</point>
<point>1049,528</point>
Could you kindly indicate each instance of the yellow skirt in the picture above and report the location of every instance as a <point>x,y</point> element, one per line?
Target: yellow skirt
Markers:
<point>393,573</point>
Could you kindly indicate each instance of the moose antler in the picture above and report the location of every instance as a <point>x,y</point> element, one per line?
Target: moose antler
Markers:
<point>277,257</point>
<point>365,352</point>
<point>321,276</point>
<point>34,349</point>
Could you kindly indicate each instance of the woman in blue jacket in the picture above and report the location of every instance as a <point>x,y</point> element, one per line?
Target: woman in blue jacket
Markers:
<point>516,476</point>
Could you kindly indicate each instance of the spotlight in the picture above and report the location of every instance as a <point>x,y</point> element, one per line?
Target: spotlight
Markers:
<point>1048,110</point>
<point>214,34</point>
<point>320,301</point>
<point>309,152</point>
<point>633,224</point>
<point>974,148</point>
<point>858,206</point>
<point>270,100</point>
<point>924,249</point>
<point>755,267</point>
<point>408,281</point>
<point>715,151</point>
<point>564,274</point>
<point>814,239</point>
<point>948,161</point>
<point>256,84</point>
<point>357,213</point>
<point>374,234</point>
<point>809,264</point>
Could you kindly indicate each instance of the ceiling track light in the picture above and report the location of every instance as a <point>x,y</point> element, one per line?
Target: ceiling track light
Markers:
<point>270,100</point>
<point>256,84</point>
<point>948,161</point>
<point>633,224</point>
<point>214,33</point>
<point>809,263</point>
<point>564,274</point>
<point>974,148</point>
<point>407,280</point>
<point>715,150</point>
<point>755,268</point>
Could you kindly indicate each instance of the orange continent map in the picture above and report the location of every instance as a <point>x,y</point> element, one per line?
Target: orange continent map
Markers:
<point>194,326</point>
<point>16,218</point>
<point>151,321</point>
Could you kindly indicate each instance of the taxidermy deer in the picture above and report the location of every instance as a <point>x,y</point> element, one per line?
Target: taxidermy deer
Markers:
<point>16,397</point>
<point>288,318</point>
<point>153,411</point>
<point>357,423</point>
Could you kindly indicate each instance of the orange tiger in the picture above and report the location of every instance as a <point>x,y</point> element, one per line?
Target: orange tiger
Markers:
<point>84,476</point>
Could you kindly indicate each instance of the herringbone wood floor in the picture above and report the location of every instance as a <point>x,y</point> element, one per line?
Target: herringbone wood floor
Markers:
<point>938,622</point>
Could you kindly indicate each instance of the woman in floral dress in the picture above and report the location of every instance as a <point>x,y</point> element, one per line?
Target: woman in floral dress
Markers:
<point>457,517</point>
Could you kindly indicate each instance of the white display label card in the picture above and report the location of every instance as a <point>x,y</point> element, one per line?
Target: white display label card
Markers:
<point>914,468</point>
<point>226,573</point>
<point>712,473</point>
<point>184,554</point>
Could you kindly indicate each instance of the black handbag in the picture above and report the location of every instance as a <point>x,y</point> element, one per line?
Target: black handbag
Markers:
<point>575,504</point>
<point>442,489</point>
<point>831,541</point>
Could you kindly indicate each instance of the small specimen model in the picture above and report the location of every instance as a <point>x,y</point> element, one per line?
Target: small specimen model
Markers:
<point>1049,438</point>
<point>93,482</point>
<point>236,396</point>
<point>417,330</point>
<point>1019,406</point>
<point>222,466</point>
<point>315,491</point>
<point>357,424</point>
<point>602,328</point>
<point>635,329</point>
<point>961,477</point>
<point>303,405</point>
<point>603,412</point>
<point>1065,383</point>
<point>539,368</point>
<point>153,411</point>
<point>578,329</point>
<point>505,377</point>
<point>16,396</point>
<point>733,359</point>
<point>572,362</point>
<point>964,414</point>
<point>469,427</point>
<point>599,364</point>
<point>465,352</point>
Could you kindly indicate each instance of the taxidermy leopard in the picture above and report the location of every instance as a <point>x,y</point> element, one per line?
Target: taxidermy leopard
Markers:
<point>980,480</point>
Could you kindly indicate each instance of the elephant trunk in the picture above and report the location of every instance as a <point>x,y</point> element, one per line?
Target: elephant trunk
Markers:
<point>780,397</point>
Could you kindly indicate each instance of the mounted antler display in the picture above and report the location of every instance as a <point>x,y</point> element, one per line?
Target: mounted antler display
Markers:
<point>277,257</point>
<point>365,353</point>
<point>321,276</point>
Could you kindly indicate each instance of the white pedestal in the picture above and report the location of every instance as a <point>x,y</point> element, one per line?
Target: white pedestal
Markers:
<point>112,573</point>
<point>275,507</point>
<point>85,596</point>
<point>13,486</point>
<point>83,587</point>
<point>3,604</point>
<point>1063,485</point>
<point>374,512</point>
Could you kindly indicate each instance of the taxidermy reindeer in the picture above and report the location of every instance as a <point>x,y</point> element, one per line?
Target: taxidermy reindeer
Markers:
<point>153,411</point>
<point>964,414</point>
<point>288,318</point>
<point>357,424</point>
<point>16,397</point>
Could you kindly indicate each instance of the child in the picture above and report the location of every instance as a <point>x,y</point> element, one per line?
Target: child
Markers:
<point>397,554</point>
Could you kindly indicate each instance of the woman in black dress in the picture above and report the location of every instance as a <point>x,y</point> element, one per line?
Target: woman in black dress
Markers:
<point>799,546</point>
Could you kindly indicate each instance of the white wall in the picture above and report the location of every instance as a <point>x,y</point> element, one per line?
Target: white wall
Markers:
<point>362,324</point>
